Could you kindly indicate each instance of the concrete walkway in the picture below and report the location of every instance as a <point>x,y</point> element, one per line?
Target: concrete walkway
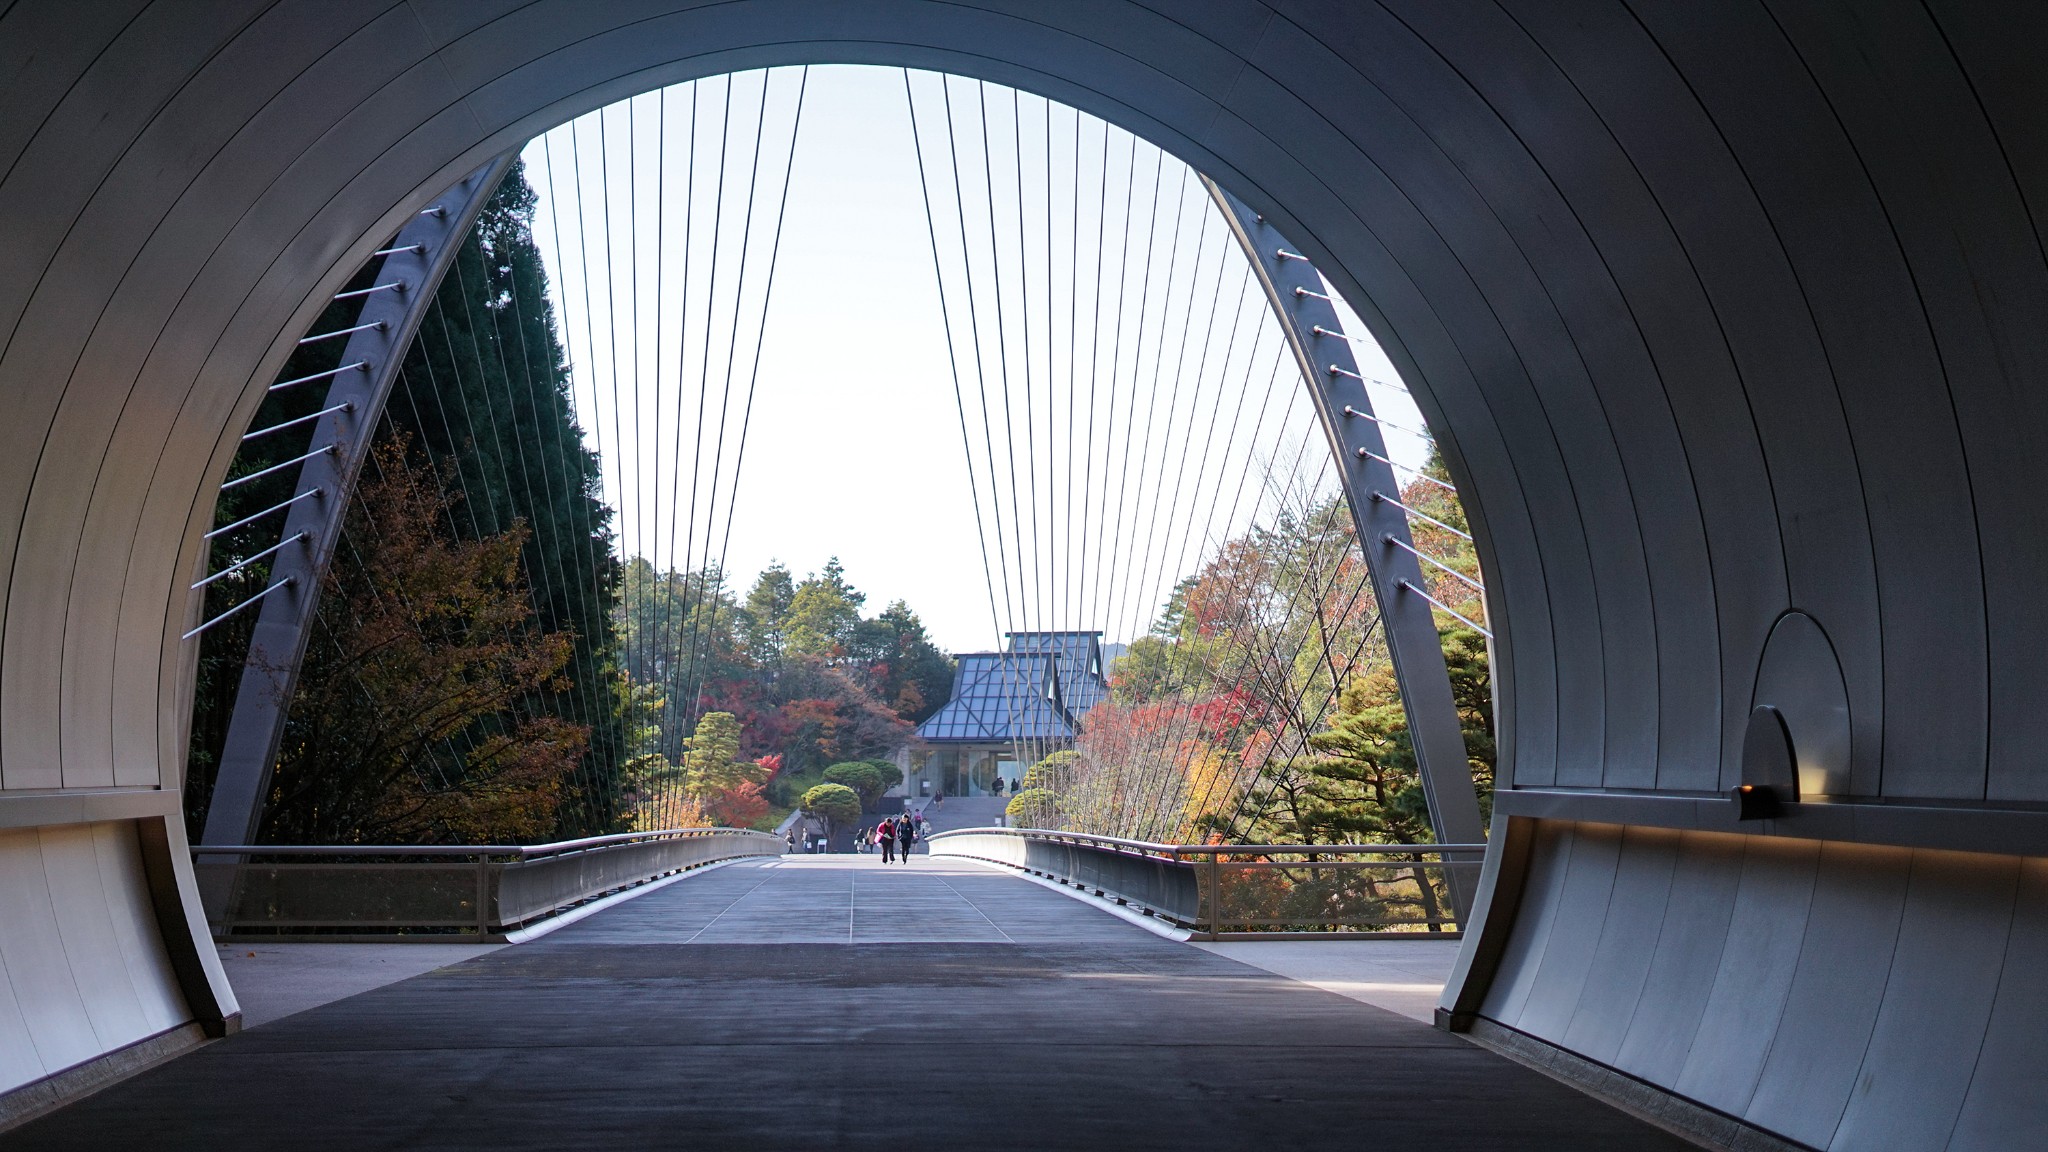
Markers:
<point>827,1002</point>
<point>1402,976</point>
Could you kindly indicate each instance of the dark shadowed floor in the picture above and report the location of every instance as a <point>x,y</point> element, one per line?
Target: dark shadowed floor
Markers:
<point>828,1003</point>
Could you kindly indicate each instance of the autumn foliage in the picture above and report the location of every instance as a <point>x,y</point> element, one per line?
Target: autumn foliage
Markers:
<point>415,719</point>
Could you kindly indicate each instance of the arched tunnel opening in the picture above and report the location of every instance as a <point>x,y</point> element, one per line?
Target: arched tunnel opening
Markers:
<point>1722,317</point>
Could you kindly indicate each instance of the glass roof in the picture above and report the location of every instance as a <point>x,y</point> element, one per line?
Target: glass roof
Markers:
<point>1037,689</point>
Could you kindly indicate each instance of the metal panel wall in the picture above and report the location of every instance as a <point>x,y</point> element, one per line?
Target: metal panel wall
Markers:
<point>83,969</point>
<point>1840,998</point>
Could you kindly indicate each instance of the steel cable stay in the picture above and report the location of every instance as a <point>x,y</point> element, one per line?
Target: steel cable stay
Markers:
<point>1177,724</point>
<point>1329,546</point>
<point>638,546</point>
<point>946,319</point>
<point>1038,547</point>
<point>1305,726</point>
<point>581,366</point>
<point>724,411</point>
<point>663,648</point>
<point>1166,522</point>
<point>1246,605</point>
<point>441,486</point>
<point>652,655</point>
<point>1001,551</point>
<point>675,613</point>
<point>1096,505</point>
<point>1110,591</point>
<point>1132,610</point>
<point>1065,606</point>
<point>537,588</point>
<point>352,358</point>
<point>761,331</point>
<point>1121,612</point>
<point>1096,512</point>
<point>587,677</point>
<point>1002,344</point>
<point>1034,615</point>
<point>1188,398</point>
<point>732,348</point>
<point>666,621</point>
<point>606,677</point>
<point>690,567</point>
<point>596,425</point>
<point>1221,539</point>
<point>1254,652</point>
<point>1007,618</point>
<point>707,578</point>
<point>1121,576</point>
<point>396,602</point>
<point>1077,551</point>
<point>1013,685</point>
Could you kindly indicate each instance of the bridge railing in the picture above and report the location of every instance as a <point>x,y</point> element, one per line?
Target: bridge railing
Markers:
<point>481,891</point>
<point>1243,891</point>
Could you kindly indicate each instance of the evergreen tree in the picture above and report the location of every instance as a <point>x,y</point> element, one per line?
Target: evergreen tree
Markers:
<point>764,620</point>
<point>823,615</point>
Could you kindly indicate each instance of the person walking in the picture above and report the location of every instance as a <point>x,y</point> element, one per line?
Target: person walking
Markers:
<point>906,834</point>
<point>886,833</point>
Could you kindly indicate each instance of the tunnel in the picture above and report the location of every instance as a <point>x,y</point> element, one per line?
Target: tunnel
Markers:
<point>1727,318</point>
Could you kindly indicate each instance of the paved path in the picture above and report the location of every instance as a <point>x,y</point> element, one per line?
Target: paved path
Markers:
<point>829,1003</point>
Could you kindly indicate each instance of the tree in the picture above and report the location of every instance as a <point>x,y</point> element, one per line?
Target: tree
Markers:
<point>421,712</point>
<point>711,765</point>
<point>483,398</point>
<point>808,682</point>
<point>823,614</point>
<point>1033,808</point>
<point>743,806</point>
<point>836,804</point>
<point>909,673</point>
<point>1055,772</point>
<point>764,620</point>
<point>484,392</point>
<point>870,778</point>
<point>1366,785</point>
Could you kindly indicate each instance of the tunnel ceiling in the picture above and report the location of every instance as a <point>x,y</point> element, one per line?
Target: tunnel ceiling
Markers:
<point>1720,311</point>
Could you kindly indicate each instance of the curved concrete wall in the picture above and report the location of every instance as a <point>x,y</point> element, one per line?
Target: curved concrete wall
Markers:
<point>1723,309</point>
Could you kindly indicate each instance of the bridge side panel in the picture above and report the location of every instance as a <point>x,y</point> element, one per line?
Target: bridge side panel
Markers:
<point>1835,994</point>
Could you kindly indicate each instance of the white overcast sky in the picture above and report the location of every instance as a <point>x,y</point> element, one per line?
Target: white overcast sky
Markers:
<point>854,443</point>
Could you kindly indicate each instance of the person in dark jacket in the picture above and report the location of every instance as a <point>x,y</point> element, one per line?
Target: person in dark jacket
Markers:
<point>906,835</point>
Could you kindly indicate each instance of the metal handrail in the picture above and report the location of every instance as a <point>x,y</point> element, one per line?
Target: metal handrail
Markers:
<point>1193,900</point>
<point>390,891</point>
<point>523,851</point>
<point>1176,851</point>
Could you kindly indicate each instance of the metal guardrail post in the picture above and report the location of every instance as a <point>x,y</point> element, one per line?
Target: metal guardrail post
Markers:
<point>1215,894</point>
<point>483,896</point>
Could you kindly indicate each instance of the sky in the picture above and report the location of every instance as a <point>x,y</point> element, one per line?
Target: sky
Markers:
<point>923,353</point>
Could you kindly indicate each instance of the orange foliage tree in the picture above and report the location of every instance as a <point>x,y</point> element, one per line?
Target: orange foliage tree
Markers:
<point>416,717</point>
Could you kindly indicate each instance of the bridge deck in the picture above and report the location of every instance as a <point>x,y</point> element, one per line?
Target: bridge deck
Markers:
<point>828,1003</point>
